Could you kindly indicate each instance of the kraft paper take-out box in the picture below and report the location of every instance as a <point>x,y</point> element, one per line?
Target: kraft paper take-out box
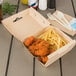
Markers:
<point>30,22</point>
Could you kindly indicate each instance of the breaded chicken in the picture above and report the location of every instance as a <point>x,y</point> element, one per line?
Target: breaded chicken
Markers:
<point>40,48</point>
<point>43,59</point>
<point>29,40</point>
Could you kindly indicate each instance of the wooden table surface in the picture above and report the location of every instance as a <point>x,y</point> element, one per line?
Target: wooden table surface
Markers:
<point>17,61</point>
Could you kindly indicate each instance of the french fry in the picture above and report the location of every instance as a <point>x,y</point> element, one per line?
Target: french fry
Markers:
<point>53,38</point>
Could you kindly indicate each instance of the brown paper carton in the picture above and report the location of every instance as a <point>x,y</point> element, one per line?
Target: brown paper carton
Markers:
<point>30,22</point>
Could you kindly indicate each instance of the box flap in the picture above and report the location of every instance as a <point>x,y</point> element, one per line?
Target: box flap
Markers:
<point>25,23</point>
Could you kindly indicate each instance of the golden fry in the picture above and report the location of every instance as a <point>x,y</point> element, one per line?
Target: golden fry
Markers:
<point>54,39</point>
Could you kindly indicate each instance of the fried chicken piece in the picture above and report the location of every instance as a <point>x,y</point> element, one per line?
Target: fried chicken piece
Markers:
<point>40,48</point>
<point>51,50</point>
<point>27,42</point>
<point>43,59</point>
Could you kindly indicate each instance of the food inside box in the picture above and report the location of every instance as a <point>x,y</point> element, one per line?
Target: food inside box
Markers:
<point>47,42</point>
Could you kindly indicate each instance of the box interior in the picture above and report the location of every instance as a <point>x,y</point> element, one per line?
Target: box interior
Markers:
<point>61,51</point>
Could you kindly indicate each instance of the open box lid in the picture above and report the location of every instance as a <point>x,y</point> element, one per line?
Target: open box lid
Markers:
<point>56,22</point>
<point>25,23</point>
